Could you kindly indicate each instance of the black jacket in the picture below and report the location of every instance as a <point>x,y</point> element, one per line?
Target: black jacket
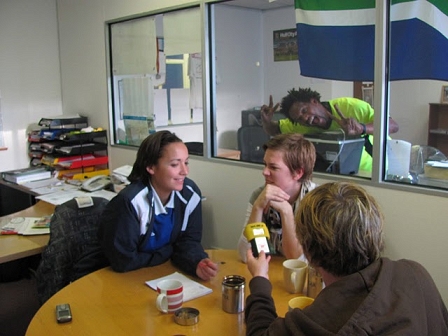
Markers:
<point>127,223</point>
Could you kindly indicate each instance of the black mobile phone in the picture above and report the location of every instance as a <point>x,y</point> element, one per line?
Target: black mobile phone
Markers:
<point>63,313</point>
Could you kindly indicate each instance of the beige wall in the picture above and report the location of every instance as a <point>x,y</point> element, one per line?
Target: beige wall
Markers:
<point>416,224</point>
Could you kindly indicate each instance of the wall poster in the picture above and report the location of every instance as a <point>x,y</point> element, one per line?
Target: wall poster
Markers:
<point>285,45</point>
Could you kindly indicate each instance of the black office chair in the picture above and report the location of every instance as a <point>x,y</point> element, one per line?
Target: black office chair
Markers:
<point>195,148</point>
<point>250,142</point>
<point>73,250</point>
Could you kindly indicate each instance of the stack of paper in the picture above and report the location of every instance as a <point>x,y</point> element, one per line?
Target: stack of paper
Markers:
<point>26,174</point>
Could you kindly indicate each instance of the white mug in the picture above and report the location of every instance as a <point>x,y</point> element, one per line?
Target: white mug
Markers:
<point>294,275</point>
<point>170,296</point>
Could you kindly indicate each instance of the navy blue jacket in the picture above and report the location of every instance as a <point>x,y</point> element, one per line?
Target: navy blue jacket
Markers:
<point>126,225</point>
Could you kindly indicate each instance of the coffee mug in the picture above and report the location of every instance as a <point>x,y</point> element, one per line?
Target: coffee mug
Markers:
<point>294,275</point>
<point>299,302</point>
<point>170,296</point>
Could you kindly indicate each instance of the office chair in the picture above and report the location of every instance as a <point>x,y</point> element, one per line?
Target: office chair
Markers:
<point>250,142</point>
<point>73,250</point>
<point>195,148</point>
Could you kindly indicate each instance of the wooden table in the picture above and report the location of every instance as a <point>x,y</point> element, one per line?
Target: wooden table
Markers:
<point>14,247</point>
<point>110,303</point>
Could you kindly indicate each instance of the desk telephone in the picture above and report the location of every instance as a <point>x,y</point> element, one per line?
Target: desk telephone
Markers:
<point>96,183</point>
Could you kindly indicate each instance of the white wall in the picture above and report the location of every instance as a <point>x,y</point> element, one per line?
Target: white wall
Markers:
<point>30,86</point>
<point>239,56</point>
<point>409,106</point>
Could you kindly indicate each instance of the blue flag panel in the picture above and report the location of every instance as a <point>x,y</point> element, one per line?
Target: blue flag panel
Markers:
<point>339,44</point>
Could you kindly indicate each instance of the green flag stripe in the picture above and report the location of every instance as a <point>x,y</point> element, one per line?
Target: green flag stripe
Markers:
<point>423,10</point>
<point>323,5</point>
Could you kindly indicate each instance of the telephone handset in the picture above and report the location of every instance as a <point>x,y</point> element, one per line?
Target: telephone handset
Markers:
<point>96,183</point>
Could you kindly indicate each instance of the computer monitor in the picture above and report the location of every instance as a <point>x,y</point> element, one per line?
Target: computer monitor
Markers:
<point>336,153</point>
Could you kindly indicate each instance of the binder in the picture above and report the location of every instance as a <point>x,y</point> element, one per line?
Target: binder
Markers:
<point>26,174</point>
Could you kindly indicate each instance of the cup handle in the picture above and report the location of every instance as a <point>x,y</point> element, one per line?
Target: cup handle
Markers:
<point>162,303</point>
<point>293,281</point>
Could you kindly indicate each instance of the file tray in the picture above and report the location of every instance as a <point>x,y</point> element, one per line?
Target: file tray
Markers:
<point>51,134</point>
<point>84,162</point>
<point>52,160</point>
<point>76,122</point>
<point>81,148</point>
<point>82,136</point>
<point>50,147</point>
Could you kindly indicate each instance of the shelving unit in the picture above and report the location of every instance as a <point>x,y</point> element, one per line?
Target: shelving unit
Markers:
<point>74,154</point>
<point>438,127</point>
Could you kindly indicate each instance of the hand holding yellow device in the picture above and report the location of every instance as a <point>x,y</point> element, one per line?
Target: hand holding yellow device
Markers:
<point>258,236</point>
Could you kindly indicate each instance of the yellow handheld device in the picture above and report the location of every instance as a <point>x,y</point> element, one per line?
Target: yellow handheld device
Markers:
<point>258,236</point>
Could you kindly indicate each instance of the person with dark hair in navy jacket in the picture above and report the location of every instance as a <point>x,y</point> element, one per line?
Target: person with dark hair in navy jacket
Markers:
<point>158,216</point>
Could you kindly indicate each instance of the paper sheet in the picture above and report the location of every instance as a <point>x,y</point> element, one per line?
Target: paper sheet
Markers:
<point>27,226</point>
<point>192,289</point>
<point>60,197</point>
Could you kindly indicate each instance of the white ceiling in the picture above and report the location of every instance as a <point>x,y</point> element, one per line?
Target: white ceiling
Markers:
<point>261,4</point>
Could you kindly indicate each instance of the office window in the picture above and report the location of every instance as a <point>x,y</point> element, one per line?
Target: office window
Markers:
<point>408,95</point>
<point>417,71</point>
<point>154,76</point>
<point>245,47</point>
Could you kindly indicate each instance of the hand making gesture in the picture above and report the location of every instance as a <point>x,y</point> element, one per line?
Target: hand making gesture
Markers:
<point>350,125</point>
<point>267,112</point>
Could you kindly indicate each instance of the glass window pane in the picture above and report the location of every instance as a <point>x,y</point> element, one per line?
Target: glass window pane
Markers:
<point>155,79</point>
<point>263,40</point>
<point>418,152</point>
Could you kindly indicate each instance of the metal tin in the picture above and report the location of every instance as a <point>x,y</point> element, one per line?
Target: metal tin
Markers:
<point>186,316</point>
<point>315,282</point>
<point>233,294</point>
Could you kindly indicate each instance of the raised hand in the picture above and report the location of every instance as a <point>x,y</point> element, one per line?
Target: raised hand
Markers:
<point>267,112</point>
<point>258,266</point>
<point>350,125</point>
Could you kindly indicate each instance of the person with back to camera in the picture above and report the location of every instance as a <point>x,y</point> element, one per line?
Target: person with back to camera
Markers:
<point>306,114</point>
<point>289,160</point>
<point>340,227</point>
<point>158,216</point>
